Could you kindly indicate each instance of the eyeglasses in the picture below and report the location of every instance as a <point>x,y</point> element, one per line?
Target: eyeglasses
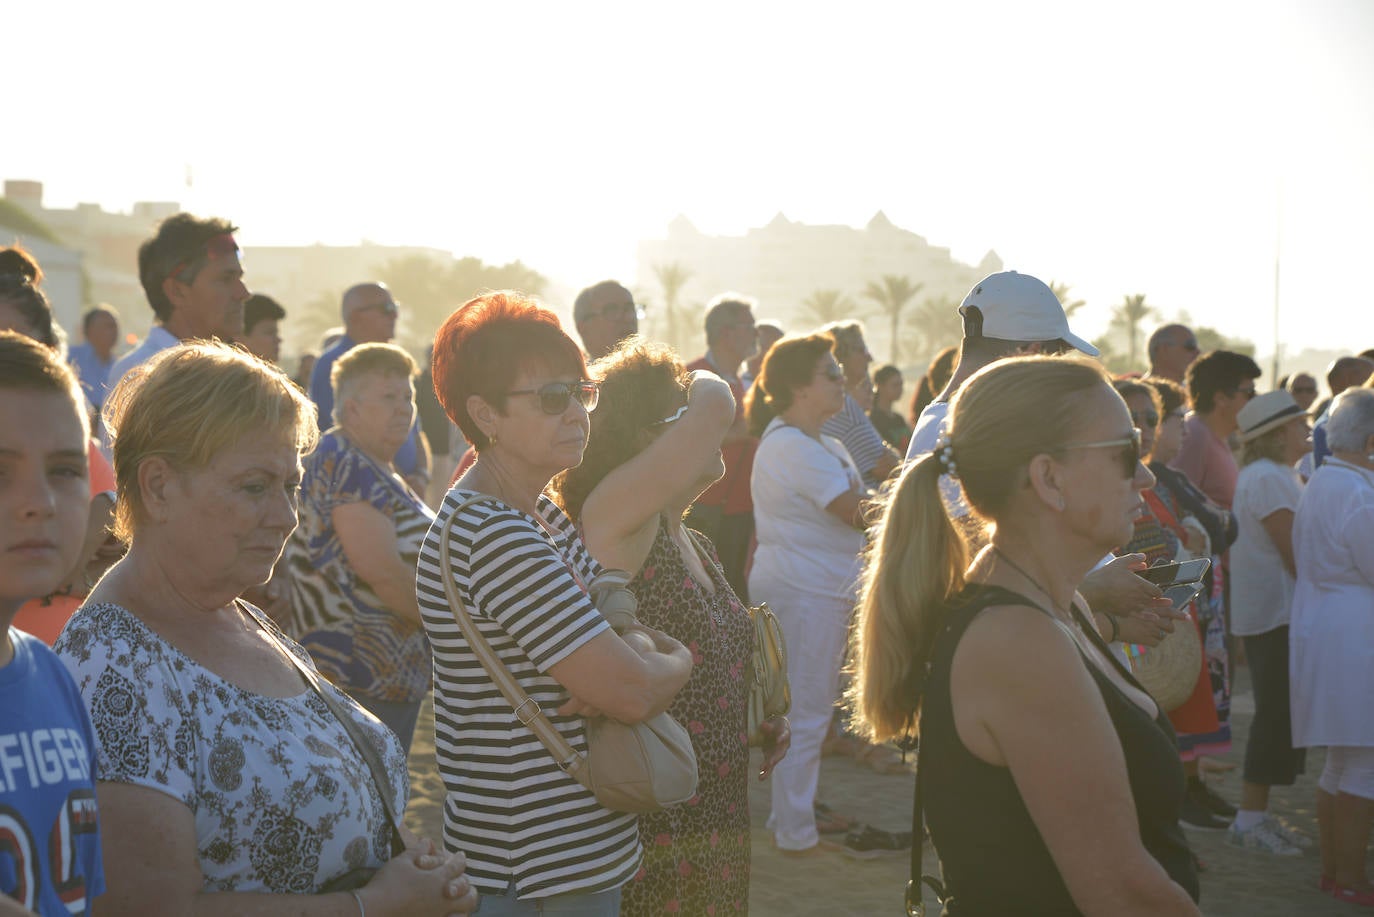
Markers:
<point>1145,419</point>
<point>1190,346</point>
<point>621,311</point>
<point>388,307</point>
<point>1129,455</point>
<point>1247,392</point>
<point>833,373</point>
<point>554,397</point>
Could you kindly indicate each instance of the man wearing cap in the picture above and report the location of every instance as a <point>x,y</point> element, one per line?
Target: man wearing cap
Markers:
<point>193,278</point>
<point>369,315</point>
<point>605,314</point>
<point>1005,315</point>
<point>1171,350</point>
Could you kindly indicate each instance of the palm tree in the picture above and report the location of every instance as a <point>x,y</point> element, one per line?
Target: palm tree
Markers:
<point>892,293</point>
<point>1061,293</point>
<point>825,306</point>
<point>672,277</point>
<point>1129,316</point>
<point>931,326</point>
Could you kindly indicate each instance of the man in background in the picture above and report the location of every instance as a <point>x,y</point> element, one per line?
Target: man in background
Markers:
<point>262,316</point>
<point>725,512</point>
<point>605,314</point>
<point>93,357</point>
<point>369,315</point>
<point>1171,350</point>
<point>193,278</point>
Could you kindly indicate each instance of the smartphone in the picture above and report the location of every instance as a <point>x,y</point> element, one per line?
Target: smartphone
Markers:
<point>1189,571</point>
<point>1182,594</point>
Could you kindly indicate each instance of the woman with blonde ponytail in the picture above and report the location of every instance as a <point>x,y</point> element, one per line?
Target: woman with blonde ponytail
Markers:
<point>1050,777</point>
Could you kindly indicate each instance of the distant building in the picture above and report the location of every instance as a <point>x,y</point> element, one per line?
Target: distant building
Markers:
<point>784,263</point>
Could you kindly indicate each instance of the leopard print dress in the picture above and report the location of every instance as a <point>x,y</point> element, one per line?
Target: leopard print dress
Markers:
<point>696,855</point>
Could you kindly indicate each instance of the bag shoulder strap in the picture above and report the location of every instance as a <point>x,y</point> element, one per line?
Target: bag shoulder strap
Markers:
<point>526,710</point>
<point>361,742</point>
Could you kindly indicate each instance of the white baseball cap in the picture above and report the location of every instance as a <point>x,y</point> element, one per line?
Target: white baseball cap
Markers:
<point>1019,307</point>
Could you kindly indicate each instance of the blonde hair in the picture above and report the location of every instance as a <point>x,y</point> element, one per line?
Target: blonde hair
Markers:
<point>189,403</point>
<point>1002,417</point>
<point>363,360</point>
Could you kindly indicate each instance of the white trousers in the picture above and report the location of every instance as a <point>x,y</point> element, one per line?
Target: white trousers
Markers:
<point>814,628</point>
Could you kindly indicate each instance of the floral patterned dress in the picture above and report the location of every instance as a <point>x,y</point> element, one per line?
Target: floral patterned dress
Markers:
<point>696,855</point>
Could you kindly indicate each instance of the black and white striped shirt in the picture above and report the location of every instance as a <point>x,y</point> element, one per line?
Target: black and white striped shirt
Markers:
<point>508,805</point>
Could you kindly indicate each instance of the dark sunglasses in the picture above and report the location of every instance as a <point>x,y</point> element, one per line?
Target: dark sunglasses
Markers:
<point>1145,418</point>
<point>1129,455</point>
<point>554,397</point>
<point>1247,392</point>
<point>833,373</point>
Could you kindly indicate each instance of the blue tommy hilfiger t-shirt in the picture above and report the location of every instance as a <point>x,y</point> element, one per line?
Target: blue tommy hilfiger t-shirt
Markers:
<point>49,830</point>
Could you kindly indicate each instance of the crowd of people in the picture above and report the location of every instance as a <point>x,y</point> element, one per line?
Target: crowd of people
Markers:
<point>228,590</point>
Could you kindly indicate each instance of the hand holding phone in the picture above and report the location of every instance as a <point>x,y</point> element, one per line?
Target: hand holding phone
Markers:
<point>1189,571</point>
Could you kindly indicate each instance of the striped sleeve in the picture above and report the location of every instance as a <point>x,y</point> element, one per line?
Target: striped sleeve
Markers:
<point>861,439</point>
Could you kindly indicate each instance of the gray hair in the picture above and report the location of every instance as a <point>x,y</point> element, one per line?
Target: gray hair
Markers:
<point>1352,420</point>
<point>722,310</point>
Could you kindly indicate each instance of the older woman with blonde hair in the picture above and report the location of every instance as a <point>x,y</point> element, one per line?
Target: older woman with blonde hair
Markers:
<point>1050,778</point>
<point>353,558</point>
<point>655,447</point>
<point>234,778</point>
<point>537,841</point>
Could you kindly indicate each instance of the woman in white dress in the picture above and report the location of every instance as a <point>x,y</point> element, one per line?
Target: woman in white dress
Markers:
<point>807,509</point>
<point>1332,641</point>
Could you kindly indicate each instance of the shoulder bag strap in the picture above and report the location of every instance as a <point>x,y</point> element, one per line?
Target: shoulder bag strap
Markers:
<point>361,742</point>
<point>526,710</point>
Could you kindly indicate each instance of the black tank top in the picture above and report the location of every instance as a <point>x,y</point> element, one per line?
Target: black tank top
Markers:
<point>992,855</point>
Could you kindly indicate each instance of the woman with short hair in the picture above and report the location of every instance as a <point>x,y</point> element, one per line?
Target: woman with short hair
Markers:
<point>808,496</point>
<point>353,557</point>
<point>887,389</point>
<point>1050,778</point>
<point>655,447</point>
<point>537,841</point>
<point>229,782</point>
<point>1332,640</point>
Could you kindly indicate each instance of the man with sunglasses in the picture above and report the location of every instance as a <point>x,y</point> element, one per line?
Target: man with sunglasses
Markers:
<point>1219,384</point>
<point>1171,350</point>
<point>369,316</point>
<point>191,274</point>
<point>605,314</point>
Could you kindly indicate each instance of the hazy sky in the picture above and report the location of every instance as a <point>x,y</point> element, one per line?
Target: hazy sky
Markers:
<point>1121,148</point>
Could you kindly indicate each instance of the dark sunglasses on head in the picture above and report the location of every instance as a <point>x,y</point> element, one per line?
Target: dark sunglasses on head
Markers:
<point>1145,418</point>
<point>554,397</point>
<point>1129,455</point>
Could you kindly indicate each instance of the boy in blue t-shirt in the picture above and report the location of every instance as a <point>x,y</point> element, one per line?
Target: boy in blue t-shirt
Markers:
<point>49,829</point>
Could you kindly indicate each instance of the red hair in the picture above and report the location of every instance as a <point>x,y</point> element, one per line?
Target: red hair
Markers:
<point>485,344</point>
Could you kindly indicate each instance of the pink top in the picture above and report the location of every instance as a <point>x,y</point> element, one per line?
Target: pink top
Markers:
<point>1207,461</point>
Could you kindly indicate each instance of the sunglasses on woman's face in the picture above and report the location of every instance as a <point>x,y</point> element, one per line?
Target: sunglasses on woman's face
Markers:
<point>1145,419</point>
<point>1129,457</point>
<point>555,397</point>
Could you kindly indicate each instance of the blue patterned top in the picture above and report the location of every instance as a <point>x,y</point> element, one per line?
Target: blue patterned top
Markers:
<point>357,642</point>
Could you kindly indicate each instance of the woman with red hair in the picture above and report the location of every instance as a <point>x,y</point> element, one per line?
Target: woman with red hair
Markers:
<point>536,840</point>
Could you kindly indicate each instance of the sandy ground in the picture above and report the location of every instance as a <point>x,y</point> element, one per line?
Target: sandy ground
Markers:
<point>1236,883</point>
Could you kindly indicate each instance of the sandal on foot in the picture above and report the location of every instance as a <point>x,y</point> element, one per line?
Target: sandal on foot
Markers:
<point>867,842</point>
<point>828,821</point>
